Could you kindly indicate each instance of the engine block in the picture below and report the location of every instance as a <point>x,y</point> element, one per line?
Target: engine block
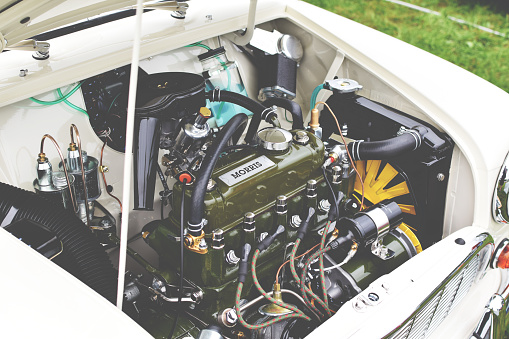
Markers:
<point>245,182</point>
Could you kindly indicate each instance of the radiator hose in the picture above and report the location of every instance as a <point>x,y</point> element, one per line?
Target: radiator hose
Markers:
<point>400,145</point>
<point>87,260</point>
<point>237,122</point>
<point>289,105</point>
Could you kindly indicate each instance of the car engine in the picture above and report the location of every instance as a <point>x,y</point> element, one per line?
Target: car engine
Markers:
<point>271,224</point>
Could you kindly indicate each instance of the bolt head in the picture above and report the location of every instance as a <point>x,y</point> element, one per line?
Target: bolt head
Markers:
<point>373,296</point>
<point>295,221</point>
<point>203,244</point>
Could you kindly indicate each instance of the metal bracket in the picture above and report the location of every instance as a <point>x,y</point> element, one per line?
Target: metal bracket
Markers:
<point>179,9</point>
<point>196,244</point>
<point>243,37</point>
<point>41,48</point>
<point>381,251</point>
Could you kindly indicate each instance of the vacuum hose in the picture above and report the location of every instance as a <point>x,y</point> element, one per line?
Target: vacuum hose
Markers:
<point>407,142</point>
<point>238,121</point>
<point>87,260</point>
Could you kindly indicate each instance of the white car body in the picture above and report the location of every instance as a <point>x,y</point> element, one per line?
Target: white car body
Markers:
<point>40,299</point>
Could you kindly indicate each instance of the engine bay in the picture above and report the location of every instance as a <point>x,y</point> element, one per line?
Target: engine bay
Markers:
<point>266,213</point>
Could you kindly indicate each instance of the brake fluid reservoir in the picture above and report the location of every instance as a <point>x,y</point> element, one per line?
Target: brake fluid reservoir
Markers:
<point>223,74</point>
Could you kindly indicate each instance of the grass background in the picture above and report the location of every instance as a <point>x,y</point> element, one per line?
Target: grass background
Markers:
<point>482,53</point>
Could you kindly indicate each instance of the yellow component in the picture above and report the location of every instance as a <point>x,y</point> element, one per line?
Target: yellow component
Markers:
<point>335,234</point>
<point>205,112</point>
<point>72,146</point>
<point>410,209</point>
<point>375,191</point>
<point>103,169</point>
<point>411,235</point>
<point>145,234</point>
<point>374,187</point>
<point>193,243</point>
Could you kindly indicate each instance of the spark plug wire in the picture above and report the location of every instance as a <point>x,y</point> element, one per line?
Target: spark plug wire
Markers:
<point>303,288</point>
<point>295,314</point>
<point>297,257</point>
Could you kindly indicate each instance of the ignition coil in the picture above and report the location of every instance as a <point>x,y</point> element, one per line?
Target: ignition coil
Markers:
<point>369,227</point>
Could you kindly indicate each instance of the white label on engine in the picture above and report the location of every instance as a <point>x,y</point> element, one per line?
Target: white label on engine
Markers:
<point>247,170</point>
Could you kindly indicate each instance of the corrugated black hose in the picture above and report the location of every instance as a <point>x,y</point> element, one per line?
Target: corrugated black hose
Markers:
<point>87,260</point>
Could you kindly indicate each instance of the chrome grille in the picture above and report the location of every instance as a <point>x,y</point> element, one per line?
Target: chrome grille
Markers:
<point>438,305</point>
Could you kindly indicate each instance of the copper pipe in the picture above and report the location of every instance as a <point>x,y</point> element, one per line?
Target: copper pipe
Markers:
<point>347,152</point>
<point>104,176</point>
<point>74,204</point>
<point>78,142</point>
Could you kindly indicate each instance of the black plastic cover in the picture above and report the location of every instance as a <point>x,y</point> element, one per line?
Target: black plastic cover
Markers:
<point>278,70</point>
<point>161,96</point>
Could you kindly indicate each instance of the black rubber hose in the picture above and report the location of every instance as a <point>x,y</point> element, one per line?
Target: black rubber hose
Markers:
<point>181,278</point>
<point>289,105</point>
<point>87,259</point>
<point>238,121</point>
<point>385,149</point>
<point>238,99</point>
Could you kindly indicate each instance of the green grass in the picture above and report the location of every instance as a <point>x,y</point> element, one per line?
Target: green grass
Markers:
<point>481,53</point>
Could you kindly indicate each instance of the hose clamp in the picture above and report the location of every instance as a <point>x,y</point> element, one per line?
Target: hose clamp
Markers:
<point>268,112</point>
<point>216,94</point>
<point>355,149</point>
<point>196,229</point>
<point>413,133</point>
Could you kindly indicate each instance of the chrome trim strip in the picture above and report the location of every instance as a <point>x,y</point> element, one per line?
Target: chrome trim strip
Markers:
<point>435,308</point>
